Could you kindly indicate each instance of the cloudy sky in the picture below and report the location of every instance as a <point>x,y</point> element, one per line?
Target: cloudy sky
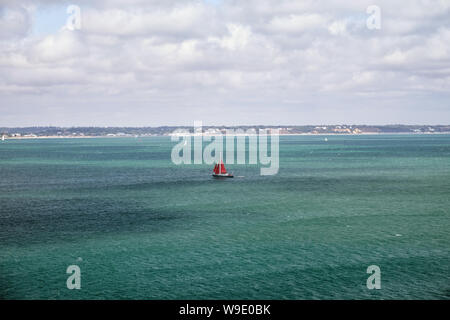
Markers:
<point>167,62</point>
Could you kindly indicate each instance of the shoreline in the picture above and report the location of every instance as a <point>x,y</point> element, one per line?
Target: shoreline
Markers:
<point>281,135</point>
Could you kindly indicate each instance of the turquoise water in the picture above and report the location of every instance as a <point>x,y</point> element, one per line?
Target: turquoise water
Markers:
<point>141,228</point>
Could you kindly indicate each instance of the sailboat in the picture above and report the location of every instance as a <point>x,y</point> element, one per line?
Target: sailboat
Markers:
<point>220,171</point>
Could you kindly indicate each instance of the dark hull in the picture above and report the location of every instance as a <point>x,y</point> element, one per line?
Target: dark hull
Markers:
<point>223,176</point>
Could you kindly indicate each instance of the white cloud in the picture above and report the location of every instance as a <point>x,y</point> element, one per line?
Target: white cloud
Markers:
<point>14,22</point>
<point>186,20</point>
<point>338,27</point>
<point>246,56</point>
<point>297,23</point>
<point>64,45</point>
<point>396,57</point>
<point>237,39</point>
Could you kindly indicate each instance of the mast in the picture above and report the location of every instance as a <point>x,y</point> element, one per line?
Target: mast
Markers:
<point>220,164</point>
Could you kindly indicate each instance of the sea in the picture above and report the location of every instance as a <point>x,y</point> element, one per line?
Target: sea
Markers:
<point>140,227</point>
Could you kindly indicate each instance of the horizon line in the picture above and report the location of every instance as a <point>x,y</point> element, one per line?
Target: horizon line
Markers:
<point>227,126</point>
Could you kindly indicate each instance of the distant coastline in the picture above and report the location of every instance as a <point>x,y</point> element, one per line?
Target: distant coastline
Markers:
<point>136,132</point>
<point>281,135</point>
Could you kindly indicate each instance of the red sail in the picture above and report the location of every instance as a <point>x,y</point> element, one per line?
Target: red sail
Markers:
<point>222,168</point>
